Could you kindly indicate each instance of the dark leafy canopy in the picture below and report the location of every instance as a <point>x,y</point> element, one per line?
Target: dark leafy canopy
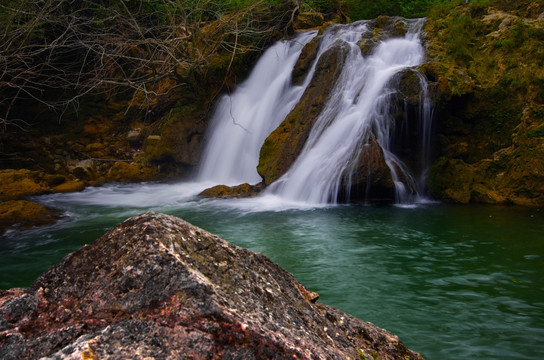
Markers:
<point>369,9</point>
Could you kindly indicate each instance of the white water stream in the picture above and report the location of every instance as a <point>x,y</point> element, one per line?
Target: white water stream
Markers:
<point>357,109</point>
<point>244,119</point>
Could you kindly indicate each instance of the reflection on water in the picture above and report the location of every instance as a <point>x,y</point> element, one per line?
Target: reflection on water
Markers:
<point>452,281</point>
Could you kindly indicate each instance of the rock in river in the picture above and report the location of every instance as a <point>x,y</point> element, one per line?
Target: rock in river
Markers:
<point>157,287</point>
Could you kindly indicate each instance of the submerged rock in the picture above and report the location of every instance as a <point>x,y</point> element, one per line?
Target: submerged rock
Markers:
<point>156,286</point>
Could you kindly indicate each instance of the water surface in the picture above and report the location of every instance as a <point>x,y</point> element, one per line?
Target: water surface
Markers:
<point>452,281</point>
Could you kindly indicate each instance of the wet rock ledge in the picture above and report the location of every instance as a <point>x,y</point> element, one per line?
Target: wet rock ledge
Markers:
<point>157,287</point>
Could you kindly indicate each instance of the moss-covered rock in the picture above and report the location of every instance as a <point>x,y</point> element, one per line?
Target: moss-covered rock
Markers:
<point>24,213</point>
<point>239,191</point>
<point>15,184</point>
<point>386,27</point>
<point>371,179</point>
<point>20,183</point>
<point>305,60</point>
<point>487,62</point>
<point>309,20</point>
<point>69,186</point>
<point>127,172</point>
<point>381,28</point>
<point>451,180</point>
<point>177,147</point>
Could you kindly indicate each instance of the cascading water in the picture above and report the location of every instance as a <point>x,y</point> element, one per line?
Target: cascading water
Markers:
<point>243,120</point>
<point>357,112</point>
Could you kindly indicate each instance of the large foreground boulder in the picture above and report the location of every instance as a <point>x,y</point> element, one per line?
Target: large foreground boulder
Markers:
<point>157,287</point>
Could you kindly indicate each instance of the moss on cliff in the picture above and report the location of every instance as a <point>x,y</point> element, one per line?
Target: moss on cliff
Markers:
<point>487,62</point>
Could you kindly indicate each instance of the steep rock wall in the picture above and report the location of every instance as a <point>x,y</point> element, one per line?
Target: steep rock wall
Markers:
<point>487,63</point>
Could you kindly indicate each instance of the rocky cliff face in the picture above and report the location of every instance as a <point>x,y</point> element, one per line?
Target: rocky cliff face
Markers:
<point>158,287</point>
<point>487,64</point>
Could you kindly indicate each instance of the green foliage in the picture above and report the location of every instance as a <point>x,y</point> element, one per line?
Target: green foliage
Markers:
<point>537,133</point>
<point>322,6</point>
<point>504,43</point>
<point>369,9</point>
<point>460,34</point>
<point>440,8</point>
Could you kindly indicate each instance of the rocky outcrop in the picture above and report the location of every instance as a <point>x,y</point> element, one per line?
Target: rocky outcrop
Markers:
<point>16,185</point>
<point>487,64</point>
<point>381,28</point>
<point>412,138</point>
<point>238,191</point>
<point>371,179</point>
<point>309,20</point>
<point>23,213</point>
<point>158,287</point>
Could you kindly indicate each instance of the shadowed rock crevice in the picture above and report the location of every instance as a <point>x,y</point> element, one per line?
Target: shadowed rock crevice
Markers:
<point>156,286</point>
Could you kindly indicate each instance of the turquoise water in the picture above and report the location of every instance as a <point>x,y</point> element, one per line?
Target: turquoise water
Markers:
<point>453,282</point>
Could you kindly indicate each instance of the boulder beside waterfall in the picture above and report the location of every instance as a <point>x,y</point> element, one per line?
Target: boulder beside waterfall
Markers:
<point>156,286</point>
<point>371,179</point>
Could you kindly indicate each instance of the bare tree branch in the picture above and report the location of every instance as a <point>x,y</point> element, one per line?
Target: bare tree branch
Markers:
<point>54,52</point>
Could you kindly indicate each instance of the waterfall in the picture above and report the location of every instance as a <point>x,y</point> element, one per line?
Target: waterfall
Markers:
<point>357,112</point>
<point>242,120</point>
